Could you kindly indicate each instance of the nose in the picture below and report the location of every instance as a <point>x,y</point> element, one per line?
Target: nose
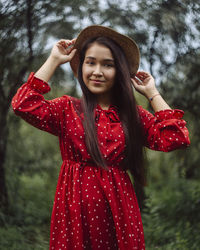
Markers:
<point>97,71</point>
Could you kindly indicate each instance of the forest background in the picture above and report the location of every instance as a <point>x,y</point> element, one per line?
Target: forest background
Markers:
<point>168,34</point>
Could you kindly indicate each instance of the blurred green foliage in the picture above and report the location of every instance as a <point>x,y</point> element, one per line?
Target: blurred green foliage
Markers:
<point>171,217</point>
<point>32,174</point>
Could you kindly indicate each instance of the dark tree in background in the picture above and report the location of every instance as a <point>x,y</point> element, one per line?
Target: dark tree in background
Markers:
<point>25,27</point>
<point>16,33</point>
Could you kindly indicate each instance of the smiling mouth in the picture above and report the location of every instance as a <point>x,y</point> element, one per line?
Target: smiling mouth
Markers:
<point>96,81</point>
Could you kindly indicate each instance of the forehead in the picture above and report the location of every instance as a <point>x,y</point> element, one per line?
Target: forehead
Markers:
<point>99,51</point>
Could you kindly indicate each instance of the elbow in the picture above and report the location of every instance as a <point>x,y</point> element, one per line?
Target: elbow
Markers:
<point>186,142</point>
<point>182,144</point>
<point>169,145</point>
<point>15,106</point>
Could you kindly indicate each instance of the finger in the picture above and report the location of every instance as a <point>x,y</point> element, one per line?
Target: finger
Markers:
<point>73,40</point>
<point>136,85</point>
<point>71,55</point>
<point>136,81</point>
<point>142,78</point>
<point>139,80</point>
<point>69,41</point>
<point>140,75</point>
<point>65,43</point>
<point>143,74</point>
<point>65,40</point>
<point>68,51</point>
<point>60,46</point>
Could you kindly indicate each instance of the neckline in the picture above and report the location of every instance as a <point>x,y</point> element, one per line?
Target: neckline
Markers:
<point>99,106</point>
<point>110,107</point>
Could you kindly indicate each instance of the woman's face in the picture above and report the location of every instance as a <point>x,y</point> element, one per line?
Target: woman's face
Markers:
<point>99,70</point>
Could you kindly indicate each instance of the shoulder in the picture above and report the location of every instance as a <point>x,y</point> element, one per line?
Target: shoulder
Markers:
<point>71,100</point>
<point>71,103</point>
<point>68,99</point>
<point>64,101</point>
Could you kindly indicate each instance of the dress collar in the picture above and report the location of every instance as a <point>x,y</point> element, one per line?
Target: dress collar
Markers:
<point>111,107</point>
<point>111,113</point>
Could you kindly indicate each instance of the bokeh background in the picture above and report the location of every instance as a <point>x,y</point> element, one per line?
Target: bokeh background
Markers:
<point>168,34</point>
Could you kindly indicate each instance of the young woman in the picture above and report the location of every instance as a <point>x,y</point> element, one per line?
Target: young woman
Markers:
<point>101,136</point>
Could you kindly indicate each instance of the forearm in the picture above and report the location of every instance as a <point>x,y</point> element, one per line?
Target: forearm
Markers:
<point>60,53</point>
<point>144,83</point>
<point>164,132</point>
<point>157,102</point>
<point>30,105</point>
<point>46,71</point>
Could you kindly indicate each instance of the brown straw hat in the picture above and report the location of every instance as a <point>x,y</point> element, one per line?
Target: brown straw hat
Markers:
<point>129,46</point>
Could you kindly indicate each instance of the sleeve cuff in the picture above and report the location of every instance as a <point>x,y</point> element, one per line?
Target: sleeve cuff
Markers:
<point>169,114</point>
<point>37,84</point>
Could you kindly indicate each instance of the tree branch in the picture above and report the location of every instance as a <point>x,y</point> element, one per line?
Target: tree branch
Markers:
<point>18,80</point>
<point>152,51</point>
<point>2,94</point>
<point>28,61</point>
<point>29,29</point>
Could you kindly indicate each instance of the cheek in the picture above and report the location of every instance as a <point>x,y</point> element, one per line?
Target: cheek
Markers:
<point>85,72</point>
<point>112,75</point>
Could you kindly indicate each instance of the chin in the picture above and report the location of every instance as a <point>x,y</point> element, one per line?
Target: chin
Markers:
<point>97,91</point>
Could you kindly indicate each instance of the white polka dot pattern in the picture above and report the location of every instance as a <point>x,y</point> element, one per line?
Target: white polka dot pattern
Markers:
<point>94,208</point>
<point>166,131</point>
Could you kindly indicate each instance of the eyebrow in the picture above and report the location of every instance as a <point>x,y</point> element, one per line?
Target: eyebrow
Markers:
<point>106,60</point>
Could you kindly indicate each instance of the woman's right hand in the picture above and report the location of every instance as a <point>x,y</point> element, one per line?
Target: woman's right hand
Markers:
<point>63,51</point>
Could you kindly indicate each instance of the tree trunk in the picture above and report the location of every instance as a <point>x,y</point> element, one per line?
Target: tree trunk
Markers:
<point>4,132</point>
<point>3,143</point>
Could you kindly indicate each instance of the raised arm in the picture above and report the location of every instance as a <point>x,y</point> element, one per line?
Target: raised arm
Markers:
<point>166,130</point>
<point>144,83</point>
<point>29,103</point>
<point>61,53</point>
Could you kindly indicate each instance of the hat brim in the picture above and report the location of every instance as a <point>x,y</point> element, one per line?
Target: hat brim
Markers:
<point>128,45</point>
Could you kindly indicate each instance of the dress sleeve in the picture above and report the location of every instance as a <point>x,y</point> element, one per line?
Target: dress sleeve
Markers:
<point>165,131</point>
<point>29,104</point>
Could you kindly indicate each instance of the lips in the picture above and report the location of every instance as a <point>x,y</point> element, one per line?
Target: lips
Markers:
<point>96,81</point>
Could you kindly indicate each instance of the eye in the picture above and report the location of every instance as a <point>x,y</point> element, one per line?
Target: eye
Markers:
<point>108,65</point>
<point>89,62</point>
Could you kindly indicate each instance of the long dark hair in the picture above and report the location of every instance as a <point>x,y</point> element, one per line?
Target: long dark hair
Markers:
<point>125,102</point>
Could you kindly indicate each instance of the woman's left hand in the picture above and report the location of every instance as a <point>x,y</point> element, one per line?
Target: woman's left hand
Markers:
<point>144,83</point>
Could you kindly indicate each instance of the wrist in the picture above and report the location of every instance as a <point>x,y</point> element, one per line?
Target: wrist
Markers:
<point>47,69</point>
<point>152,98</point>
<point>53,61</point>
<point>152,93</point>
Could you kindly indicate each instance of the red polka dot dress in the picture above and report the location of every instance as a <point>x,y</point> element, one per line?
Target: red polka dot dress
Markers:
<point>94,208</point>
